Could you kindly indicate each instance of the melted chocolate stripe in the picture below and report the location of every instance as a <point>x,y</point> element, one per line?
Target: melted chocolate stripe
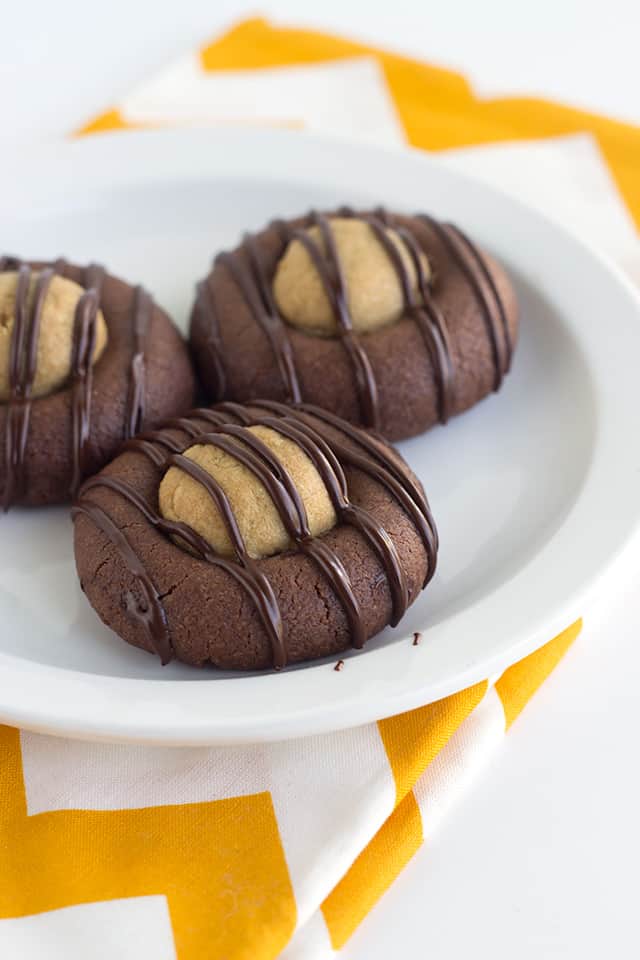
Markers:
<point>293,515</point>
<point>274,465</point>
<point>433,328</point>
<point>152,616</point>
<point>235,410</point>
<point>83,346</point>
<point>206,303</point>
<point>330,274</point>
<point>219,497</point>
<point>15,433</point>
<point>460,255</point>
<point>197,543</point>
<point>271,325</point>
<point>282,490</point>
<point>28,374</point>
<point>383,545</point>
<point>410,507</point>
<point>260,278</point>
<point>272,315</point>
<point>333,478</point>
<point>22,372</point>
<point>203,413</point>
<point>383,215</point>
<point>134,414</point>
<point>33,333</point>
<point>439,363</point>
<point>364,442</point>
<point>14,436</point>
<point>155,436</point>
<point>378,454</point>
<point>423,313</point>
<point>334,570</point>
<point>172,528</point>
<point>318,452</point>
<point>332,262</point>
<point>257,584</point>
<point>84,337</point>
<point>251,579</point>
<point>284,504</point>
<point>381,468</point>
<point>182,423</point>
<point>474,253</point>
<point>145,445</point>
<point>396,260</point>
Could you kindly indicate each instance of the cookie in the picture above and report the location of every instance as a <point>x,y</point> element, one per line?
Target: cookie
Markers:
<point>392,322</point>
<point>86,361</point>
<point>253,536</point>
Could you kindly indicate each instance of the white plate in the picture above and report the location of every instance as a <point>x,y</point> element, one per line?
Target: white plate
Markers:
<point>535,491</point>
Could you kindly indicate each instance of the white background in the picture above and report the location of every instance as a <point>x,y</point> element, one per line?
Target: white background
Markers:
<point>540,860</point>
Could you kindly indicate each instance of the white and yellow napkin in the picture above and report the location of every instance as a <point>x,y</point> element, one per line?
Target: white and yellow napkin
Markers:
<point>247,853</point>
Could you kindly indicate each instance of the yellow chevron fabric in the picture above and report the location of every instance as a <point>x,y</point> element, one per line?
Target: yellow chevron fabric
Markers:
<point>224,864</point>
<point>437,107</point>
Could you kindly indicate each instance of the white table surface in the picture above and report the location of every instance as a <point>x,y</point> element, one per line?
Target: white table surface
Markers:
<point>540,859</point>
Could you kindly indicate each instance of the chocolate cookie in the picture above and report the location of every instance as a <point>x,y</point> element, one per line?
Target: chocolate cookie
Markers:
<point>392,322</point>
<point>253,536</point>
<point>86,361</point>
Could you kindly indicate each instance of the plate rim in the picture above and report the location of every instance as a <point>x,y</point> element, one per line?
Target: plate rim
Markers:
<point>75,692</point>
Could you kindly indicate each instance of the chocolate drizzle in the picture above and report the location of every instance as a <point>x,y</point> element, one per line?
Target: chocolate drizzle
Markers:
<point>474,257</point>
<point>140,321</point>
<point>22,369</point>
<point>150,611</point>
<point>469,261</point>
<point>379,465</point>
<point>422,308</point>
<point>84,340</point>
<point>250,275</point>
<point>23,357</point>
<point>227,430</point>
<point>257,293</point>
<point>329,270</point>
<point>205,304</point>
